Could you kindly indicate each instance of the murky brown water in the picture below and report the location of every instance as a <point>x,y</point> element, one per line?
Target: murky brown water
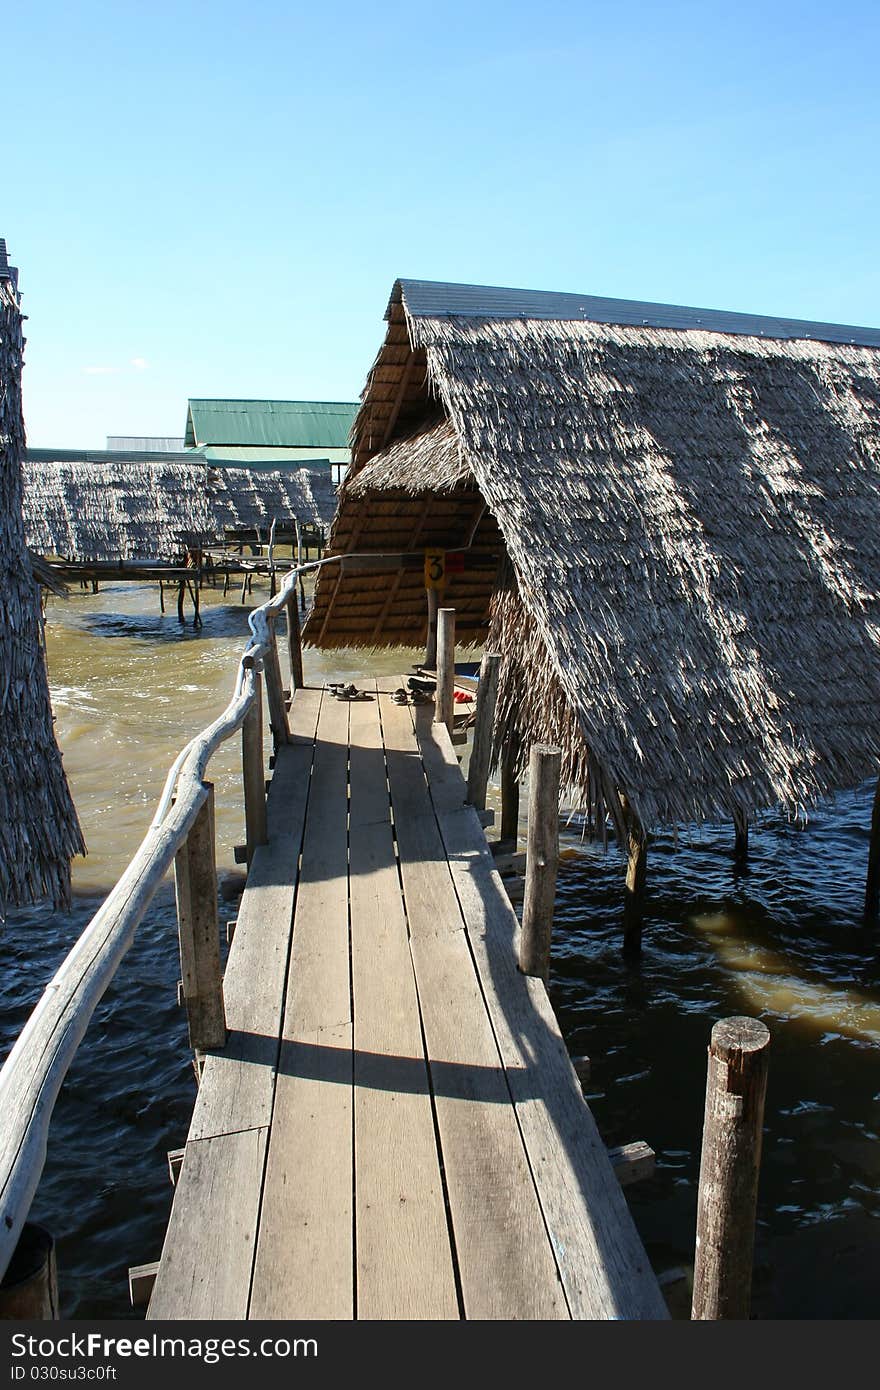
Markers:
<point>782,940</point>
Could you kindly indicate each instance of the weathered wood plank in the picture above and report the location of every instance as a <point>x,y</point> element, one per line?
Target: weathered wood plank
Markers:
<point>506,1266</point>
<point>404,1260</point>
<point>206,1260</point>
<point>303,1266</point>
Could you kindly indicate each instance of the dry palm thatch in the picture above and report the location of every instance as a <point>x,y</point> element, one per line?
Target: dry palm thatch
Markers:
<point>692,520</point>
<point>39,831</point>
<point>151,509</point>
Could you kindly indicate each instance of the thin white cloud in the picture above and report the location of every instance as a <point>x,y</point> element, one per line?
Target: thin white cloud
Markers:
<point>140,363</point>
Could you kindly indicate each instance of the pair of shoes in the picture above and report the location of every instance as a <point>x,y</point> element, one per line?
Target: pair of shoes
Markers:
<point>422,683</point>
<point>347,692</point>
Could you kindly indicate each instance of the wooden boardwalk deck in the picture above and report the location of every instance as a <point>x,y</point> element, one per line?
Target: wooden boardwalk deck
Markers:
<point>394,1129</point>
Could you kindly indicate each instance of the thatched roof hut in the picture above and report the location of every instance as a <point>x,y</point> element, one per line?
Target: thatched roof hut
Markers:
<point>129,508</point>
<point>39,831</point>
<point>684,512</point>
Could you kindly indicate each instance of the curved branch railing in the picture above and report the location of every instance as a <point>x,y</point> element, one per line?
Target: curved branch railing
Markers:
<point>41,1056</point>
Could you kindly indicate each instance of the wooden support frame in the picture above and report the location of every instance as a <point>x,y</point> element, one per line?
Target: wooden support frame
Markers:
<point>198,924</point>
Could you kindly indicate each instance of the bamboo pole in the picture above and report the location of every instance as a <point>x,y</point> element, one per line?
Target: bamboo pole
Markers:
<point>253,774</point>
<point>542,858</point>
<point>195,881</point>
<point>444,708</point>
<point>872,882</point>
<point>727,1199</point>
<point>294,643</point>
<point>481,749</point>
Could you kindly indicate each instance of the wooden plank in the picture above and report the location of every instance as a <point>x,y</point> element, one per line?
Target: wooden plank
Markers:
<point>206,1260</point>
<point>404,1260</point>
<point>304,1261</point>
<point>506,1265</point>
<point>237,1084</point>
<point>601,1259</point>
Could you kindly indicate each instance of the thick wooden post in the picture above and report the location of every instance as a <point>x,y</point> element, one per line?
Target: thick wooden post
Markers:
<point>634,891</point>
<point>872,883</point>
<point>542,858</point>
<point>727,1198</point>
<point>444,708</point>
<point>275,692</point>
<point>29,1289</point>
<point>294,643</point>
<point>509,796</point>
<point>195,881</point>
<point>431,643</point>
<point>253,772</point>
<point>481,749</point>
<point>741,836</point>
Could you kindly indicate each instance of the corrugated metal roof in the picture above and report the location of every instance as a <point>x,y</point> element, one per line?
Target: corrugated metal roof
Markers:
<point>432,299</point>
<point>144,444</point>
<point>302,424</point>
<point>119,456</point>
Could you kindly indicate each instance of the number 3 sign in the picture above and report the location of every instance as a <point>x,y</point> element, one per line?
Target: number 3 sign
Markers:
<point>435,569</point>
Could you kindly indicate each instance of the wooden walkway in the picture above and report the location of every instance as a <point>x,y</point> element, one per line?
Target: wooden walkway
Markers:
<point>394,1129</point>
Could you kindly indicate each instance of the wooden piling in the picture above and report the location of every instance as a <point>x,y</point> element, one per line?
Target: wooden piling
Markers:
<point>294,643</point>
<point>444,708</point>
<point>872,882</point>
<point>509,796</point>
<point>275,692</point>
<point>741,836</point>
<point>254,774</point>
<point>542,858</point>
<point>726,1203</point>
<point>195,881</point>
<point>431,643</point>
<point>481,750</point>
<point>634,890</point>
<point>29,1288</point>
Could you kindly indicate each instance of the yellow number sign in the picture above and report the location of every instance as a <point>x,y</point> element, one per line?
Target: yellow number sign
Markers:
<point>435,569</point>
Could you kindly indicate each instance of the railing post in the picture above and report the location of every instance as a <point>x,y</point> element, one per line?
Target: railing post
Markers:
<point>481,749</point>
<point>294,642</point>
<point>727,1200</point>
<point>444,709</point>
<point>431,642</point>
<point>195,882</point>
<point>275,690</point>
<point>253,772</point>
<point>542,856</point>
<point>509,795</point>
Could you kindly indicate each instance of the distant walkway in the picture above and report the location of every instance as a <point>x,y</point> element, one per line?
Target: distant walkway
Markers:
<point>394,1129</point>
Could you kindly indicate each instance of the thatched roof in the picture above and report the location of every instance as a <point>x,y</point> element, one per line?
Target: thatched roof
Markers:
<point>152,509</point>
<point>691,505</point>
<point>39,831</point>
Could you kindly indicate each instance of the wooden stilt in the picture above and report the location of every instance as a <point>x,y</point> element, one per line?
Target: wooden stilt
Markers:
<point>161,597</point>
<point>731,1157</point>
<point>634,892</point>
<point>195,880</point>
<point>444,708</point>
<point>431,643</point>
<point>29,1288</point>
<point>741,836</point>
<point>275,693</point>
<point>294,644</point>
<point>181,595</point>
<point>872,883</point>
<point>509,796</point>
<point>253,774</point>
<point>481,750</point>
<point>542,859</point>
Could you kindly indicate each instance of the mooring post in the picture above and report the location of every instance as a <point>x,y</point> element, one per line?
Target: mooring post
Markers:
<point>29,1288</point>
<point>431,643</point>
<point>872,882</point>
<point>727,1200</point>
<point>634,890</point>
<point>294,642</point>
<point>444,708</point>
<point>275,691</point>
<point>542,858</point>
<point>195,882</point>
<point>481,749</point>
<point>253,772</point>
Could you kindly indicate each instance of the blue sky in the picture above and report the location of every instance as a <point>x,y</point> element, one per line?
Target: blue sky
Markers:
<point>215,199</point>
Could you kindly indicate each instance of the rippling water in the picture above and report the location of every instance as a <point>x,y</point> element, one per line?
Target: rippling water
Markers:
<point>781,939</point>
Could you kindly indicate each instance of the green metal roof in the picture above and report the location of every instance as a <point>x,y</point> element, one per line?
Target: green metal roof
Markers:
<point>296,424</point>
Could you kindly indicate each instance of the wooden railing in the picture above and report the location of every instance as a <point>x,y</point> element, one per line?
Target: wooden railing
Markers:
<point>181,834</point>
